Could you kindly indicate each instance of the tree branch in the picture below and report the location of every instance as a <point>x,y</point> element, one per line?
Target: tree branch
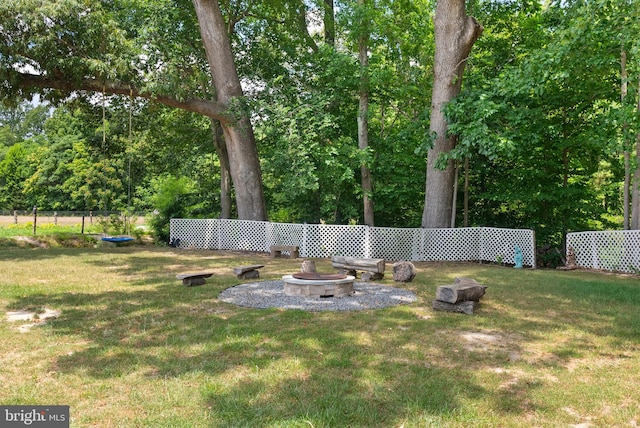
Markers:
<point>212,109</point>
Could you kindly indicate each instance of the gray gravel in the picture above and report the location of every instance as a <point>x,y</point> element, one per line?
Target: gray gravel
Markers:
<point>270,294</point>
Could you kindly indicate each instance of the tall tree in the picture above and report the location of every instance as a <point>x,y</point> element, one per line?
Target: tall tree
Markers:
<point>237,129</point>
<point>624,91</point>
<point>363,113</point>
<point>455,34</point>
<point>635,191</point>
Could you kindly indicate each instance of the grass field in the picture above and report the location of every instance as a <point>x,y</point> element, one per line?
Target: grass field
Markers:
<point>132,347</point>
<point>47,225</point>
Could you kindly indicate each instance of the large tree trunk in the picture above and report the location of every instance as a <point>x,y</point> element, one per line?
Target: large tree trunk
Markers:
<point>363,121</point>
<point>455,34</point>
<point>225,175</point>
<point>238,132</point>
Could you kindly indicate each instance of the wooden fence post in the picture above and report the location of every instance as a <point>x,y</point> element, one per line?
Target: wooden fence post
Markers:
<point>35,218</point>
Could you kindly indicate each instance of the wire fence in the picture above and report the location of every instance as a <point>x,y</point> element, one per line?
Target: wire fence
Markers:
<point>80,220</point>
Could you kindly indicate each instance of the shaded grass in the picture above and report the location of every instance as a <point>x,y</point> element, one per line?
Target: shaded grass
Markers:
<point>133,347</point>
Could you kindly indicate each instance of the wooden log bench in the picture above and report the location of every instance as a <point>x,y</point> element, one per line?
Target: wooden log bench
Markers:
<point>462,296</point>
<point>372,269</point>
<point>277,250</point>
<point>194,278</point>
<point>247,272</point>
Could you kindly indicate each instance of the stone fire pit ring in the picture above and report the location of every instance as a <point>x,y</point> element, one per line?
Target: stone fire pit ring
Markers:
<point>318,285</point>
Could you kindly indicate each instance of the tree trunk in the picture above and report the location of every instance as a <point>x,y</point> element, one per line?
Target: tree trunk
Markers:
<point>225,175</point>
<point>635,190</point>
<point>627,155</point>
<point>238,132</point>
<point>626,189</point>
<point>329,23</point>
<point>466,191</point>
<point>455,34</point>
<point>454,199</point>
<point>635,193</point>
<point>363,121</point>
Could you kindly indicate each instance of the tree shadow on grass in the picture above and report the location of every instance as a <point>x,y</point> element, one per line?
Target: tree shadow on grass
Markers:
<point>326,397</point>
<point>261,366</point>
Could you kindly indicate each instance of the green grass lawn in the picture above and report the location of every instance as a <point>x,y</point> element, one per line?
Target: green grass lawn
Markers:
<point>132,347</point>
<point>26,229</point>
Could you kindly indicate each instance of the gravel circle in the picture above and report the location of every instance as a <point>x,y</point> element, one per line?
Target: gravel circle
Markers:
<point>270,294</point>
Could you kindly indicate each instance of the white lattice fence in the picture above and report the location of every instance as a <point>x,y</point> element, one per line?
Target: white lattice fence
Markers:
<point>499,245</point>
<point>451,244</point>
<point>394,243</point>
<point>284,234</point>
<point>326,240</point>
<point>195,233</point>
<point>322,240</point>
<point>615,250</point>
<point>243,235</point>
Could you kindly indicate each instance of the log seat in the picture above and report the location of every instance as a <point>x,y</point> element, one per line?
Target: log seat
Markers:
<point>372,269</point>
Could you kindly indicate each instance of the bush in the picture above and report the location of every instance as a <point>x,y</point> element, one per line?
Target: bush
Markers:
<point>170,200</point>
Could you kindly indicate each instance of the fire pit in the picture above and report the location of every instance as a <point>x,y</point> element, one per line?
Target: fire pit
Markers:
<point>311,284</point>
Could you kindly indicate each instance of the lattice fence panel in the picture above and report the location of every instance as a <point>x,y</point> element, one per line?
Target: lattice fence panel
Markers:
<point>243,235</point>
<point>450,244</point>
<point>285,234</point>
<point>394,244</point>
<point>326,240</point>
<point>499,245</point>
<point>616,250</point>
<point>200,234</point>
<point>320,240</point>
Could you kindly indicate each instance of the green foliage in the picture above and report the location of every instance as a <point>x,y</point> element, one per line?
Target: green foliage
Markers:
<point>15,168</point>
<point>307,121</point>
<point>170,199</point>
<point>112,225</point>
<point>543,133</point>
<point>71,38</point>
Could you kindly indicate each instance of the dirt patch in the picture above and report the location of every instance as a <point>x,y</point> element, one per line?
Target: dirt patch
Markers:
<point>30,242</point>
<point>488,341</point>
<point>36,318</point>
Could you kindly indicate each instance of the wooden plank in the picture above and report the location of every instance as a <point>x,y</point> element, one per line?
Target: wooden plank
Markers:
<point>353,263</point>
<point>201,274</point>
<point>242,269</point>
